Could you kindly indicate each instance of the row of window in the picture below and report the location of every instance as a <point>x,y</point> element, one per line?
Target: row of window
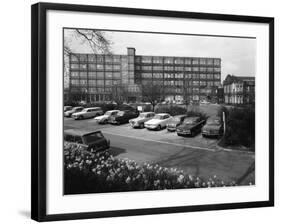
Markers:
<point>180,76</point>
<point>180,61</point>
<point>143,59</point>
<point>179,68</point>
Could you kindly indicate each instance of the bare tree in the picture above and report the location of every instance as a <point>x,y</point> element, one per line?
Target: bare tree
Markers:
<point>119,94</point>
<point>152,93</point>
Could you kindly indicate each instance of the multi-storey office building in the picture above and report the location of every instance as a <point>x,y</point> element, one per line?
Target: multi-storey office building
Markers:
<point>239,90</point>
<point>100,76</point>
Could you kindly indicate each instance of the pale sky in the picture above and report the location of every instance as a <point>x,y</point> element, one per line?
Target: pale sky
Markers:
<point>238,54</point>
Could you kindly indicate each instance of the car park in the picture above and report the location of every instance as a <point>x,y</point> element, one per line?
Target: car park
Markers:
<point>74,110</point>
<point>158,122</point>
<point>88,113</point>
<point>213,127</point>
<point>67,108</point>
<point>122,117</point>
<point>190,126</point>
<point>90,141</point>
<point>175,122</point>
<point>139,121</point>
<point>103,119</point>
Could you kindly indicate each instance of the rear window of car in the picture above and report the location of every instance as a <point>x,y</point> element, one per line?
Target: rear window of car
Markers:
<point>93,137</point>
<point>72,138</point>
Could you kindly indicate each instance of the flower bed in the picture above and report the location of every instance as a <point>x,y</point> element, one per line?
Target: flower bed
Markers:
<point>85,172</point>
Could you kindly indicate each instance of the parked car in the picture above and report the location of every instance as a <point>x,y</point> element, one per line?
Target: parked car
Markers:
<point>122,117</point>
<point>139,121</point>
<point>158,122</point>
<point>103,119</point>
<point>88,113</point>
<point>74,110</point>
<point>67,108</point>
<point>90,141</point>
<point>213,127</point>
<point>175,122</point>
<point>190,126</point>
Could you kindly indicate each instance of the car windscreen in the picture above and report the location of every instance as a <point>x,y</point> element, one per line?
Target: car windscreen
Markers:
<point>120,113</point>
<point>189,121</point>
<point>72,138</point>
<point>108,113</point>
<point>160,117</point>
<point>93,137</point>
<point>214,121</point>
<point>176,119</point>
<point>143,115</point>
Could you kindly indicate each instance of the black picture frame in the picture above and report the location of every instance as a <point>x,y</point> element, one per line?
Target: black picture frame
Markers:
<point>39,122</point>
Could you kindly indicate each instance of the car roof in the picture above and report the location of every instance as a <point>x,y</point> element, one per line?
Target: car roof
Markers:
<point>147,112</point>
<point>92,108</point>
<point>192,118</point>
<point>112,110</point>
<point>79,132</point>
<point>162,114</point>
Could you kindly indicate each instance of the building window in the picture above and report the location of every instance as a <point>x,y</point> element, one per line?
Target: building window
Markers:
<point>100,75</point>
<point>179,68</point>
<point>108,59</point>
<point>83,74</point>
<point>146,60</point>
<point>202,83</point>
<point>116,59</point>
<point>209,76</point>
<point>100,67</point>
<point>188,69</point>
<point>92,82</point>
<point>210,69</point>
<point>92,66</point>
<point>108,67</point>
<point>217,69</point>
<point>216,76</point>
<point>157,60</point>
<point>91,57</point>
<point>202,76</point>
<point>74,74</point>
<point>202,61</point>
<point>179,61</point>
<point>203,69</point>
<point>168,60</point>
<point>168,68</point>
<point>116,67</point>
<point>100,82</point>
<point>187,61</point>
<point>74,66</point>
<point>147,75</point>
<point>210,61</point>
<point>108,75</point>
<point>195,83</point>
<point>75,82</point>
<point>83,57</point>
<point>83,66</point>
<point>195,62</point>
<point>216,62</point>
<point>157,68</point>
<point>108,82</point>
<point>92,75</point>
<point>146,68</point>
<point>195,69</point>
<point>195,76</point>
<point>74,58</point>
<point>99,59</point>
<point>209,83</point>
<point>116,75</point>
<point>83,82</point>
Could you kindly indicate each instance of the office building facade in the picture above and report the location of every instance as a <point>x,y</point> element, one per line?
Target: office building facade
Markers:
<point>99,77</point>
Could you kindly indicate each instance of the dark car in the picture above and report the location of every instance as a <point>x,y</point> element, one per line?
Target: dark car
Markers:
<point>175,122</point>
<point>72,111</point>
<point>91,141</point>
<point>190,126</point>
<point>122,117</point>
<point>213,127</point>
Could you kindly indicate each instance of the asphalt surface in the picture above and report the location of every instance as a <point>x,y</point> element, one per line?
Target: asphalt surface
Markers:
<point>195,155</point>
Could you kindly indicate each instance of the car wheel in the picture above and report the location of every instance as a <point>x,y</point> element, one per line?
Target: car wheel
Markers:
<point>142,125</point>
<point>158,127</point>
<point>80,117</point>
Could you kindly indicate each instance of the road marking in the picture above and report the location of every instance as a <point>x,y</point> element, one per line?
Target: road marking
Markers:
<point>161,142</point>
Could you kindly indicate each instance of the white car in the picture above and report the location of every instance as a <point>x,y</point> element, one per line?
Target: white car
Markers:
<point>104,118</point>
<point>141,119</point>
<point>87,113</point>
<point>158,122</point>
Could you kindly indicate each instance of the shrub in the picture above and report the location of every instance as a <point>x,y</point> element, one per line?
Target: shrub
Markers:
<point>240,128</point>
<point>85,172</point>
<point>170,109</point>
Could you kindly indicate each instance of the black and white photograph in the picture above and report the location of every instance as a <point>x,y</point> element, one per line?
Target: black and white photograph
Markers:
<point>145,111</point>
